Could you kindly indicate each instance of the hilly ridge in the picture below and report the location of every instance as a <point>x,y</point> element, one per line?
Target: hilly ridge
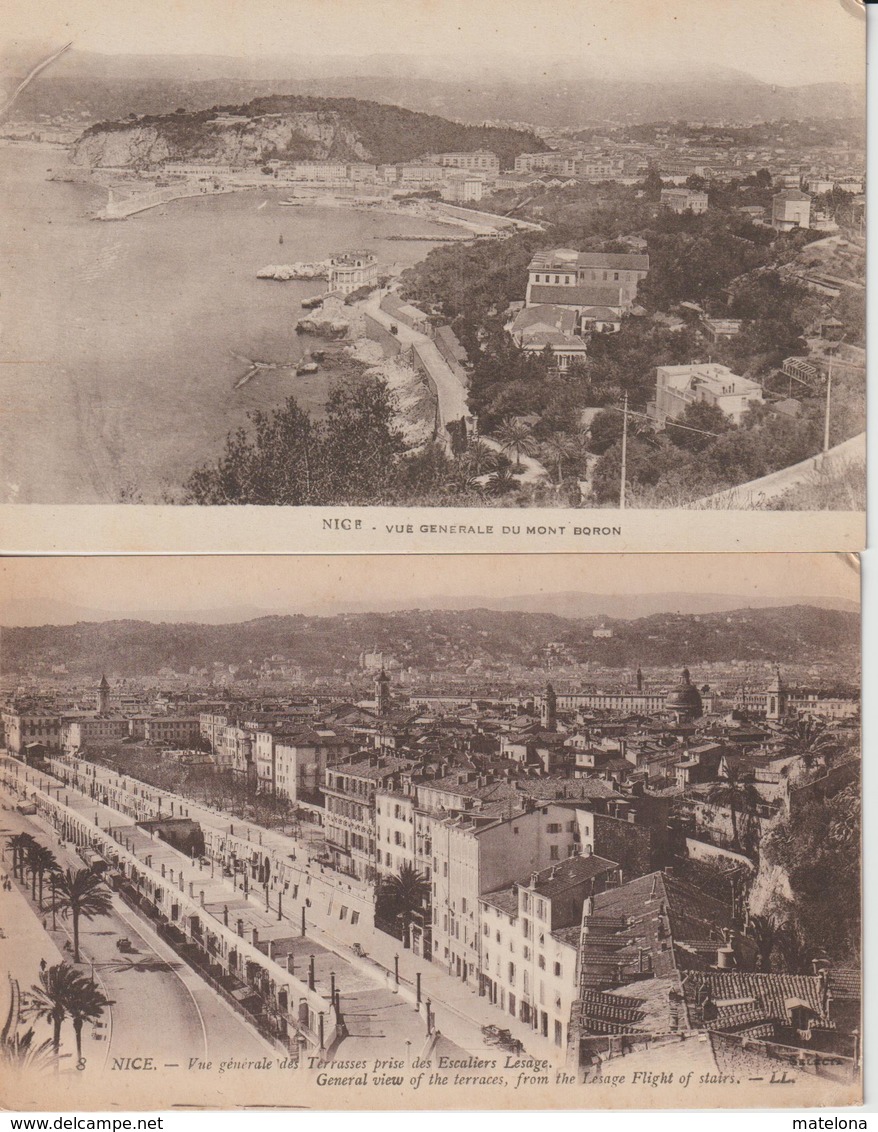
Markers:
<point>292,127</point>
<point>439,639</point>
<point>557,91</point>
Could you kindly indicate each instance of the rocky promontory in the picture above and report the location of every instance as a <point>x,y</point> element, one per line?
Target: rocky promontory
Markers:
<point>290,128</point>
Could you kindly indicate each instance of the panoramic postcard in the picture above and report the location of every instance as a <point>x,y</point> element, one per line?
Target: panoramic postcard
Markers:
<point>516,831</point>
<point>451,261</point>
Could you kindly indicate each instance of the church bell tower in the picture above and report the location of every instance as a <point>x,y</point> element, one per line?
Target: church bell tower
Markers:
<point>103,697</point>
<point>382,693</point>
<point>549,709</point>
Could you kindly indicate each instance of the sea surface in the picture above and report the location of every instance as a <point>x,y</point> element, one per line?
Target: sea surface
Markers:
<point>118,340</point>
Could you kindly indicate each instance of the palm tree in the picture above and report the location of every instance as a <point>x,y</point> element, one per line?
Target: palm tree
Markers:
<point>501,482</point>
<point>479,458</point>
<point>49,999</point>
<point>739,796</point>
<point>515,436</point>
<point>43,861</point>
<point>811,740</point>
<point>19,1054</point>
<point>763,931</point>
<point>21,845</point>
<point>793,948</point>
<point>86,1003</point>
<point>405,895</point>
<point>561,447</point>
<point>81,894</point>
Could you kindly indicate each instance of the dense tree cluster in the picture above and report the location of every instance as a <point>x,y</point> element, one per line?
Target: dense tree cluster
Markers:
<point>286,458</point>
<point>688,465</point>
<point>818,847</point>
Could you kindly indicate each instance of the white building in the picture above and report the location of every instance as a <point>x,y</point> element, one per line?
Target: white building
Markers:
<point>473,854</point>
<point>463,187</point>
<point>530,942</point>
<point>349,789</point>
<point>790,209</point>
<point>478,161</point>
<point>24,726</point>
<point>394,832</point>
<point>77,734</point>
<point>676,387</point>
<point>684,200</point>
<point>179,731</point>
<point>351,271</point>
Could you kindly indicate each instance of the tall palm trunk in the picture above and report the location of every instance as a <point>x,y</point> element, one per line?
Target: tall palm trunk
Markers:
<point>75,915</point>
<point>56,1040</point>
<point>77,1030</point>
<point>734,815</point>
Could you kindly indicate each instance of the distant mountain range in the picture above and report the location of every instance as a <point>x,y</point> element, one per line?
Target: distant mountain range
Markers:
<point>447,640</point>
<point>573,91</point>
<point>572,604</point>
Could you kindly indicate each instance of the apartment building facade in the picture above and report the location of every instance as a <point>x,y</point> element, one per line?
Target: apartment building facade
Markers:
<point>530,941</point>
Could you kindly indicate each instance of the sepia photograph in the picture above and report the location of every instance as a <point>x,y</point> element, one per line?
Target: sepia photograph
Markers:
<point>517,832</point>
<point>426,256</point>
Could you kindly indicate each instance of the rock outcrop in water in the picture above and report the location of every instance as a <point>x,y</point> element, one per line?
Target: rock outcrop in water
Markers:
<point>323,326</point>
<point>286,271</point>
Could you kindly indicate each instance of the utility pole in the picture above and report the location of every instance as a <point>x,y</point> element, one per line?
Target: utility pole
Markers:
<point>828,405</point>
<point>624,454</point>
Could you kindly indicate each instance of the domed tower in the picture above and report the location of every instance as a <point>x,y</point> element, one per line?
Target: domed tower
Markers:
<point>639,679</point>
<point>103,697</point>
<point>684,701</point>
<point>776,698</point>
<point>549,709</point>
<point>382,693</point>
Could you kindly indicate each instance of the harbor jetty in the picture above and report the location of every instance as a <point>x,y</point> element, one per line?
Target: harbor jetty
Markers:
<point>118,208</point>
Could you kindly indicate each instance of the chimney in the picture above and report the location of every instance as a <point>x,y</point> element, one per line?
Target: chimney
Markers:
<point>725,958</point>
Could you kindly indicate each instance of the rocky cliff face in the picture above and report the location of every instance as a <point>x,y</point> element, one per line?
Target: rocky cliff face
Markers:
<point>304,135</point>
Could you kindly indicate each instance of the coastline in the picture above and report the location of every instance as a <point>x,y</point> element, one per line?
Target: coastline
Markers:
<point>425,394</point>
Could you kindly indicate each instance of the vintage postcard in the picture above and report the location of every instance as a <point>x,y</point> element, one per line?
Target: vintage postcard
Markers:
<point>272,267</point>
<point>516,831</point>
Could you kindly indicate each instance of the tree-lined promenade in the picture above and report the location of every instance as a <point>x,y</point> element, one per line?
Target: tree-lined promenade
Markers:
<point>149,972</point>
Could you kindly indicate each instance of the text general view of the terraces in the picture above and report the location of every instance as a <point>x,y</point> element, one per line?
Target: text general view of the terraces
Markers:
<point>531,863</point>
<point>646,299</point>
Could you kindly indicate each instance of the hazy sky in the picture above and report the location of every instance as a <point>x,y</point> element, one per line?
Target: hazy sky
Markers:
<point>784,41</point>
<point>266,582</point>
